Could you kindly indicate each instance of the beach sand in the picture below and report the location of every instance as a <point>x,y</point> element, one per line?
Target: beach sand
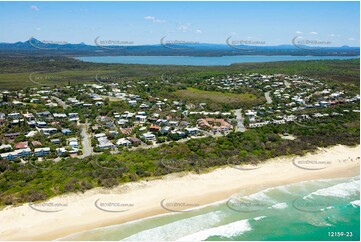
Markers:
<point>102,207</point>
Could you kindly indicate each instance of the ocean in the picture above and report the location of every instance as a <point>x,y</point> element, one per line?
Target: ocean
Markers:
<point>203,61</point>
<point>311,210</point>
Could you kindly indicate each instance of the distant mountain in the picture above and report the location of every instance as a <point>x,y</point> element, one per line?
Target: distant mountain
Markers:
<point>34,46</point>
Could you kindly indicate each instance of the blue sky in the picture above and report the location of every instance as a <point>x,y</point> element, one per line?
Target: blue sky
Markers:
<point>207,22</point>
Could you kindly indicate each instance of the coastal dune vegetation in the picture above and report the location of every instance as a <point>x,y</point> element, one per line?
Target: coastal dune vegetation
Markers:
<point>36,181</point>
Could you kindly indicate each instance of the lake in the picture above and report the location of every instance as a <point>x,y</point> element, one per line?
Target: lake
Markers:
<point>203,61</point>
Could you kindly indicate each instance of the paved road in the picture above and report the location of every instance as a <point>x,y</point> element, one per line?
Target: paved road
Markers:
<point>240,125</point>
<point>86,140</point>
<point>268,97</point>
<point>287,84</point>
<point>60,102</point>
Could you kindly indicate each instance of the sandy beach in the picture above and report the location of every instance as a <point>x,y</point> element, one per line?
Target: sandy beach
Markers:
<point>72,213</point>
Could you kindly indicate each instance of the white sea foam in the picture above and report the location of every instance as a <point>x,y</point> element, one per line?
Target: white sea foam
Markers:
<point>173,230</point>
<point>355,203</point>
<point>260,196</point>
<point>280,206</point>
<point>263,195</point>
<point>228,230</point>
<point>321,224</point>
<point>328,208</point>
<point>341,190</point>
<point>259,218</point>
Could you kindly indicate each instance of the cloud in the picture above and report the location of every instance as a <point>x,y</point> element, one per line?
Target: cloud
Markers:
<point>198,31</point>
<point>351,39</point>
<point>38,29</point>
<point>332,35</point>
<point>154,19</point>
<point>35,8</point>
<point>298,32</point>
<point>313,33</point>
<point>184,27</point>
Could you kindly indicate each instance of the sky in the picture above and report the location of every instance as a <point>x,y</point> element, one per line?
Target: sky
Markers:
<point>138,23</point>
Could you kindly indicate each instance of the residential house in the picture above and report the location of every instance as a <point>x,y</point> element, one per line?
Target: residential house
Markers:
<point>41,124</point>
<point>31,133</point>
<point>192,131</point>
<point>184,123</point>
<point>42,151</point>
<point>173,123</point>
<point>36,143</point>
<point>132,102</point>
<point>66,131</point>
<point>148,136</point>
<point>123,142</point>
<point>134,141</point>
<point>59,115</point>
<point>21,145</point>
<point>179,133</point>
<point>73,143</point>
<point>73,116</point>
<point>104,143</point>
<point>127,131</point>
<point>259,124</point>
<point>5,147</point>
<point>141,118</point>
<point>55,141</point>
<point>2,118</point>
<point>154,128</point>
<point>11,135</point>
<point>14,115</point>
<point>61,151</point>
<point>123,121</point>
<point>97,136</point>
<point>16,154</point>
<point>165,130</point>
<point>44,114</point>
<point>29,116</point>
<point>48,131</point>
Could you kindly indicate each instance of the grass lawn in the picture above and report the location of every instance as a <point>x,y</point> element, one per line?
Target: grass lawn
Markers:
<point>217,97</point>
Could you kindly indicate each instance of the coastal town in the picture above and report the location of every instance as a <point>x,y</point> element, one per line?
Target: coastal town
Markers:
<point>85,119</point>
<point>180,120</point>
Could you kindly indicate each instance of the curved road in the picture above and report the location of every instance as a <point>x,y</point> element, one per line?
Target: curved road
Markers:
<point>268,97</point>
<point>60,102</point>
<point>287,84</point>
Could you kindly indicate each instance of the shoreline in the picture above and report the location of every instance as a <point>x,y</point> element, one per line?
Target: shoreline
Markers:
<point>142,199</point>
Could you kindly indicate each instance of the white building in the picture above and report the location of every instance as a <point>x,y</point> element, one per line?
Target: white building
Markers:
<point>148,136</point>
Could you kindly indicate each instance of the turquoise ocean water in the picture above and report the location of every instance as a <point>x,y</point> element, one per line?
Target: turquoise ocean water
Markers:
<point>312,210</point>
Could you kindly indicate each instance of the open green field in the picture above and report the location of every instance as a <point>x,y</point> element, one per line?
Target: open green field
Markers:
<point>217,97</point>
